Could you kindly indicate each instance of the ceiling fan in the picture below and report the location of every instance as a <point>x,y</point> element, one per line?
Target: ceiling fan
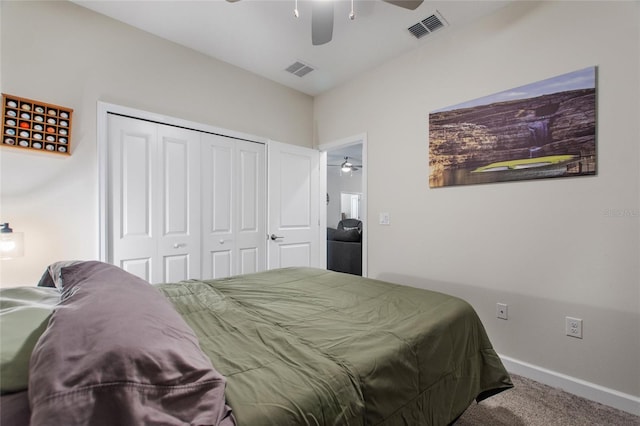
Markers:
<point>322,17</point>
<point>347,166</point>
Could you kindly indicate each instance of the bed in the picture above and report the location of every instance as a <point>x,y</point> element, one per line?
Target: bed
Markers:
<point>294,346</point>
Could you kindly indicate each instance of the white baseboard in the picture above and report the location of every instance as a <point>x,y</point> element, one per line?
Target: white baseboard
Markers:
<point>582,388</point>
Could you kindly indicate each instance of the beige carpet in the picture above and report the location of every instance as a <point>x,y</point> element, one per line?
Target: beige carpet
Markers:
<point>533,404</point>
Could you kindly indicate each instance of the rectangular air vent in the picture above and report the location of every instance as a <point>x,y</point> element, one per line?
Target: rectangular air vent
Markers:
<point>427,25</point>
<point>300,69</point>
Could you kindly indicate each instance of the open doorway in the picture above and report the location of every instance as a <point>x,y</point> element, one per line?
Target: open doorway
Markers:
<point>346,205</point>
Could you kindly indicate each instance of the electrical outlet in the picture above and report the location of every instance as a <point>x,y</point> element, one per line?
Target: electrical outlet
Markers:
<point>573,327</point>
<point>502,310</point>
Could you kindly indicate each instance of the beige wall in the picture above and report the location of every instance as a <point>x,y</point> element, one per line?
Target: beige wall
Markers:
<point>546,248</point>
<point>64,54</point>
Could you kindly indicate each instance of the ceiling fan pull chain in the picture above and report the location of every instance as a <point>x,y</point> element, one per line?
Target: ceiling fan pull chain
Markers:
<point>295,10</point>
<point>352,15</point>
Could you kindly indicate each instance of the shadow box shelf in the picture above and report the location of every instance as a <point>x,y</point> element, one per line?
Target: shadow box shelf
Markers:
<point>35,125</point>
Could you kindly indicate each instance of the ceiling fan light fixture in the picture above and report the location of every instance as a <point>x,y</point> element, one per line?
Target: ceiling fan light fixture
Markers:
<point>322,17</point>
<point>346,166</point>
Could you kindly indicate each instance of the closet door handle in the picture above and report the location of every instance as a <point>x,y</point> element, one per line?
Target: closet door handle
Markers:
<point>177,245</point>
<point>275,237</point>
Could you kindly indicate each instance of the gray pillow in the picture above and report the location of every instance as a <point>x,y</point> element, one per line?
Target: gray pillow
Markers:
<point>349,235</point>
<point>52,276</point>
<point>116,352</point>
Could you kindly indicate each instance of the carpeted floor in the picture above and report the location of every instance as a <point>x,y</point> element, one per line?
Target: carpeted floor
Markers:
<point>531,403</point>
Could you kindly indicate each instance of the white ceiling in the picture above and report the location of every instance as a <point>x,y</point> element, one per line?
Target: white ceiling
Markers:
<point>263,36</point>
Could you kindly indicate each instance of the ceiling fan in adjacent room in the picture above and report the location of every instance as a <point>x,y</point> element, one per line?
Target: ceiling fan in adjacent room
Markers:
<point>322,17</point>
<point>347,166</point>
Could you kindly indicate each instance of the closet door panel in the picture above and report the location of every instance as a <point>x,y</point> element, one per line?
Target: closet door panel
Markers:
<point>251,188</point>
<point>138,267</point>
<point>218,197</point>
<point>179,203</point>
<point>249,261</point>
<point>248,191</point>
<point>176,187</point>
<point>176,268</point>
<point>220,264</point>
<point>132,175</point>
<point>135,184</point>
<point>221,190</point>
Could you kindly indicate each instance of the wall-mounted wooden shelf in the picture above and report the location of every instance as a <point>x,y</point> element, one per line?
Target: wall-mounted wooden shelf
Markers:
<point>35,125</point>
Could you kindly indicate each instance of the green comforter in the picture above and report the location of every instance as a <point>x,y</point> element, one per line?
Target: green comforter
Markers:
<point>303,346</point>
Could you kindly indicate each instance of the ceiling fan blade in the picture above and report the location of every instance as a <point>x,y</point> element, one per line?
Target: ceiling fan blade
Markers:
<point>321,22</point>
<point>407,4</point>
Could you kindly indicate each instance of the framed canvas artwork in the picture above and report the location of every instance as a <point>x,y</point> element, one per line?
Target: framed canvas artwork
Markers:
<point>545,129</point>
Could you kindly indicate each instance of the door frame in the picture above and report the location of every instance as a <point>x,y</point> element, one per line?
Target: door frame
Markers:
<point>103,111</point>
<point>329,146</point>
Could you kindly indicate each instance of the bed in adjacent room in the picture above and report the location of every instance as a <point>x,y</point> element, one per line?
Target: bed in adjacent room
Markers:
<point>294,346</point>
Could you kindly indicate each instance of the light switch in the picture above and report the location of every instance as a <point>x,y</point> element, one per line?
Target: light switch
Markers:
<point>384,219</point>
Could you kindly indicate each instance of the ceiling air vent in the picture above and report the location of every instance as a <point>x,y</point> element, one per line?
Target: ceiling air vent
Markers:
<point>300,69</point>
<point>427,25</point>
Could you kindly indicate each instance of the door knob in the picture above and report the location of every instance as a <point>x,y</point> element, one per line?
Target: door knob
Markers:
<point>176,245</point>
<point>275,237</point>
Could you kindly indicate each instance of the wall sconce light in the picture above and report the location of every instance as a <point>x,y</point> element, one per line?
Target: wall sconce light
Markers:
<point>11,243</point>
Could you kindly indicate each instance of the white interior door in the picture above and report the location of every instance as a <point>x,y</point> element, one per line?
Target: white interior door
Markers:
<point>293,194</point>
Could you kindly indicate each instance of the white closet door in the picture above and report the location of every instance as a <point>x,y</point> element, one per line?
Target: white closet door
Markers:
<point>251,234</point>
<point>217,170</point>
<point>179,203</point>
<point>233,207</point>
<point>154,207</point>
<point>132,173</point>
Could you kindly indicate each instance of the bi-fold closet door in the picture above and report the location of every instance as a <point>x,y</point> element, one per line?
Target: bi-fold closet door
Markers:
<point>233,206</point>
<point>183,203</point>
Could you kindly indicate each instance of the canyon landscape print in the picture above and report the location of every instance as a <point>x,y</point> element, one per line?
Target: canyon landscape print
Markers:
<point>545,129</point>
